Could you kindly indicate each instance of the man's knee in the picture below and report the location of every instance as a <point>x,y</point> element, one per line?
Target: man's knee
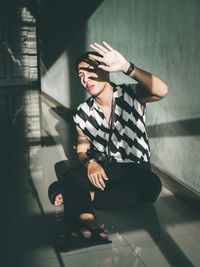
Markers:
<point>155,187</point>
<point>76,172</point>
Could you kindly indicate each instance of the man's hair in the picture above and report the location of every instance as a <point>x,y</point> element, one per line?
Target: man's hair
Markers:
<point>85,58</point>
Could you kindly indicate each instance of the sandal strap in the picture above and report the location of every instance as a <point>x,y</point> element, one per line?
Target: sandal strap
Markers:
<point>92,226</point>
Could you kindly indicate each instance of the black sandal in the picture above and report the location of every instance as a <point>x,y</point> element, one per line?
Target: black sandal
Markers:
<point>77,240</point>
<point>95,229</point>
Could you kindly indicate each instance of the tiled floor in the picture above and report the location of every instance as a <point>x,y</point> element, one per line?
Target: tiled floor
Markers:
<point>165,234</point>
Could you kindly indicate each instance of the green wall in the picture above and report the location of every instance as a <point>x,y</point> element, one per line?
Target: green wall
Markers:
<point>163,37</point>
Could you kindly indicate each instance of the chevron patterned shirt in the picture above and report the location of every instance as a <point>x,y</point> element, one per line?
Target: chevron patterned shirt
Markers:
<point>129,141</point>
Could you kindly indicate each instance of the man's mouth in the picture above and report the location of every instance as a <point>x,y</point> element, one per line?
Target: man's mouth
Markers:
<point>89,87</point>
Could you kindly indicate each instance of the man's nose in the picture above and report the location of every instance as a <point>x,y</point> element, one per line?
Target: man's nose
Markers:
<point>86,77</point>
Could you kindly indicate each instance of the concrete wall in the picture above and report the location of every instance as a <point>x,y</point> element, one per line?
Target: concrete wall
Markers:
<point>160,36</point>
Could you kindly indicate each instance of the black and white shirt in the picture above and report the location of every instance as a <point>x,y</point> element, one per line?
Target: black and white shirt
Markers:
<point>129,141</point>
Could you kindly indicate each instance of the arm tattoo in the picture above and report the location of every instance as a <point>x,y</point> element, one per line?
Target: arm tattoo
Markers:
<point>82,140</point>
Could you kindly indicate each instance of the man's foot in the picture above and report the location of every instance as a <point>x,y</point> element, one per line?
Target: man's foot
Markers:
<point>83,233</point>
<point>82,238</point>
<point>58,200</point>
<point>91,230</point>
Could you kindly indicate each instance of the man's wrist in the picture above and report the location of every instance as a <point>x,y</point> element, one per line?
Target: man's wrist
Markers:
<point>87,161</point>
<point>130,69</point>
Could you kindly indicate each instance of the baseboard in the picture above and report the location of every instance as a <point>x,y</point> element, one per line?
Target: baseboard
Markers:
<point>181,190</point>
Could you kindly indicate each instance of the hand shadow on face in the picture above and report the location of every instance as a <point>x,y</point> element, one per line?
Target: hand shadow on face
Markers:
<point>102,75</point>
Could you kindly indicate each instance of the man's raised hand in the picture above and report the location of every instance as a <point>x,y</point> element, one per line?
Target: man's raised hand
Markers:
<point>111,60</point>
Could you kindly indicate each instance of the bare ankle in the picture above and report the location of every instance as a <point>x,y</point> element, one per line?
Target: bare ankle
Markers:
<point>86,216</point>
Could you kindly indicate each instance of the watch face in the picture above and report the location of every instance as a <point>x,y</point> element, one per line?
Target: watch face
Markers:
<point>131,68</point>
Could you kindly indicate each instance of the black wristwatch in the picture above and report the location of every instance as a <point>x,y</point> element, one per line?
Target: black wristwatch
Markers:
<point>86,161</point>
<point>131,68</point>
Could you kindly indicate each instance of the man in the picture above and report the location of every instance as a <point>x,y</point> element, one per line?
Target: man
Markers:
<point>112,144</point>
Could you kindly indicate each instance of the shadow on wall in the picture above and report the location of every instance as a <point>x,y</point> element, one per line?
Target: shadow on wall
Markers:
<point>62,26</point>
<point>62,31</point>
<point>66,135</point>
<point>190,127</point>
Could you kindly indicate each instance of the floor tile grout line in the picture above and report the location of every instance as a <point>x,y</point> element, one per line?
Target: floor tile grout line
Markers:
<point>137,255</point>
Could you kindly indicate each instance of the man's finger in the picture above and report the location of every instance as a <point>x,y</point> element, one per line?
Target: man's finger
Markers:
<point>95,181</point>
<point>100,59</point>
<point>101,181</point>
<point>108,46</point>
<point>103,174</point>
<point>92,180</point>
<point>103,67</point>
<point>99,48</point>
<point>99,185</point>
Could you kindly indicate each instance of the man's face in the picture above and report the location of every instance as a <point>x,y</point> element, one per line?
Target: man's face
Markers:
<point>92,77</point>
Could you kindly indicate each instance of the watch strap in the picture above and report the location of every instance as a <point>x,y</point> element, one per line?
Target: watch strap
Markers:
<point>131,68</point>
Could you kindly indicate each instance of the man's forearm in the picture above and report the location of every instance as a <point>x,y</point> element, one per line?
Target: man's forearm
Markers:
<point>82,156</point>
<point>85,160</point>
<point>154,85</point>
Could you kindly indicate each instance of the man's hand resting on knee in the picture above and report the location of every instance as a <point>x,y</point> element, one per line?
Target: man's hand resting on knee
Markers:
<point>96,175</point>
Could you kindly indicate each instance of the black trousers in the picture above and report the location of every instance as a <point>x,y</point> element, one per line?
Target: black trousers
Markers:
<point>128,183</point>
